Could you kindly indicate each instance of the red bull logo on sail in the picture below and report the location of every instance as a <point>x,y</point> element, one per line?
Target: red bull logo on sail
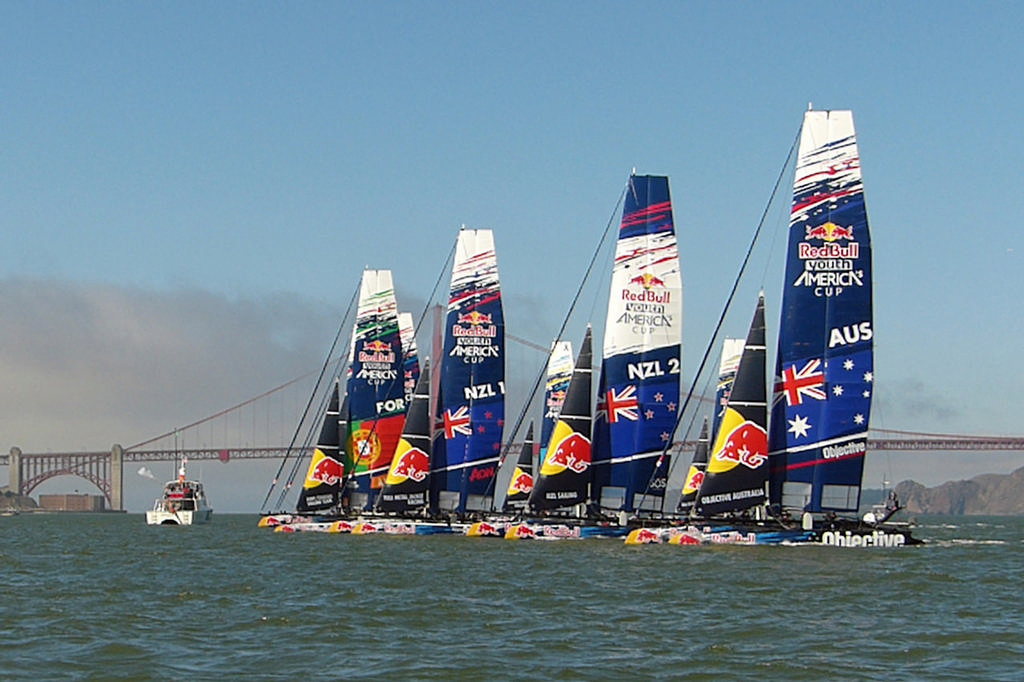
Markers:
<point>572,453</point>
<point>647,280</point>
<point>830,232</point>
<point>474,317</point>
<point>328,471</point>
<point>521,483</point>
<point>411,465</point>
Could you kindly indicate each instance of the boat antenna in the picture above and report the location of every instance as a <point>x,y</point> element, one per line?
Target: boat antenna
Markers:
<point>721,318</point>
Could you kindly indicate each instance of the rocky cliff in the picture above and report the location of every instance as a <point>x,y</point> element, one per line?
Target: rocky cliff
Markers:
<point>988,494</point>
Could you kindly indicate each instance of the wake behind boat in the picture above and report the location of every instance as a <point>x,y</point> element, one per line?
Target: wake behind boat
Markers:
<point>183,503</point>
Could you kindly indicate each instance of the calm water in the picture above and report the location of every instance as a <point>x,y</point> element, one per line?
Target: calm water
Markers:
<point>109,598</point>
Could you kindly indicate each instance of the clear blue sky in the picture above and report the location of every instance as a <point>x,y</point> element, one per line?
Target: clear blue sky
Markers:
<point>188,191</point>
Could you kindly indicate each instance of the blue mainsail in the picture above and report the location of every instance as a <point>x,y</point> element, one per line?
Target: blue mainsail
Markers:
<point>824,370</point>
<point>472,376</point>
<point>639,384</point>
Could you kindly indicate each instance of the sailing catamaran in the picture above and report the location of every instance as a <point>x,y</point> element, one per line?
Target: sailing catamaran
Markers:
<point>359,432</point>
<point>800,480</point>
<point>601,469</point>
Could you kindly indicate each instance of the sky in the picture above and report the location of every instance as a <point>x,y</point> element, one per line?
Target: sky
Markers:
<point>189,191</point>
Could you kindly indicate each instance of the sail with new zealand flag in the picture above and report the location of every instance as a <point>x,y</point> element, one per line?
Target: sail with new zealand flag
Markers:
<point>472,382</point>
<point>639,383</point>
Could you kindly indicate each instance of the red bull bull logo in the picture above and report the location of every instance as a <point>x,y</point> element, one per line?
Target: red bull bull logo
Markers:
<point>693,482</point>
<point>521,483</point>
<point>326,471</point>
<point>643,536</point>
<point>647,281</point>
<point>411,465</point>
<point>474,317</point>
<point>747,444</point>
<point>376,346</point>
<point>520,532</point>
<point>572,453</point>
<point>483,529</point>
<point>829,232</point>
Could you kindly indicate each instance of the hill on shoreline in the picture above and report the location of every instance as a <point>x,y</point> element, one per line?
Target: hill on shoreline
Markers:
<point>984,495</point>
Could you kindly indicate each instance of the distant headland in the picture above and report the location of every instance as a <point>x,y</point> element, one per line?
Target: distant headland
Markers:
<point>984,495</point>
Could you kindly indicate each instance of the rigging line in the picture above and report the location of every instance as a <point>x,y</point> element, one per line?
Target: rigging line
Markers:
<point>307,442</point>
<point>561,332</point>
<point>219,414</point>
<point>445,268</point>
<point>693,419</point>
<point>316,388</point>
<point>721,318</point>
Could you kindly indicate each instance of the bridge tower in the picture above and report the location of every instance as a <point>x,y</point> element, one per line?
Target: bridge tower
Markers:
<point>117,477</point>
<point>14,470</point>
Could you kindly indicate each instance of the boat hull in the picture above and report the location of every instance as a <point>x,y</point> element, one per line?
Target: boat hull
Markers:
<point>889,535</point>
<point>157,517</point>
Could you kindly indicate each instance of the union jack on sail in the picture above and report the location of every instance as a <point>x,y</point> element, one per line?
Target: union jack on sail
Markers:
<point>796,384</point>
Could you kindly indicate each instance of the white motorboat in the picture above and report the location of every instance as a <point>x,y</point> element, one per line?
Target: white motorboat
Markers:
<point>183,503</point>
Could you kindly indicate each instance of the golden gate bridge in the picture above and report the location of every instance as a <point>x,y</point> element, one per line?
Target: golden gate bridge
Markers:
<point>105,469</point>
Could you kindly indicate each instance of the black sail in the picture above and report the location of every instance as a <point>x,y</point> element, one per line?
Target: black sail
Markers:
<point>565,472</point>
<point>737,470</point>
<point>408,481</point>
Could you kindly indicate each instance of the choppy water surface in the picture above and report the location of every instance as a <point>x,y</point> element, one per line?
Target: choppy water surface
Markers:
<point>105,597</point>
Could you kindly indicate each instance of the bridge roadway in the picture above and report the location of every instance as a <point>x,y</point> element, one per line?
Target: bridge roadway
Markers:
<point>106,469</point>
<point>228,454</point>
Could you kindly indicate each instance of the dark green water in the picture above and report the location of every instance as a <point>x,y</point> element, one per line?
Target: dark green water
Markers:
<point>108,598</point>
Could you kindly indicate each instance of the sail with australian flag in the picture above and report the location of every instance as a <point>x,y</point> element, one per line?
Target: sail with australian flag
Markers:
<point>824,368</point>
<point>639,386</point>
<point>472,384</point>
<point>376,391</point>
